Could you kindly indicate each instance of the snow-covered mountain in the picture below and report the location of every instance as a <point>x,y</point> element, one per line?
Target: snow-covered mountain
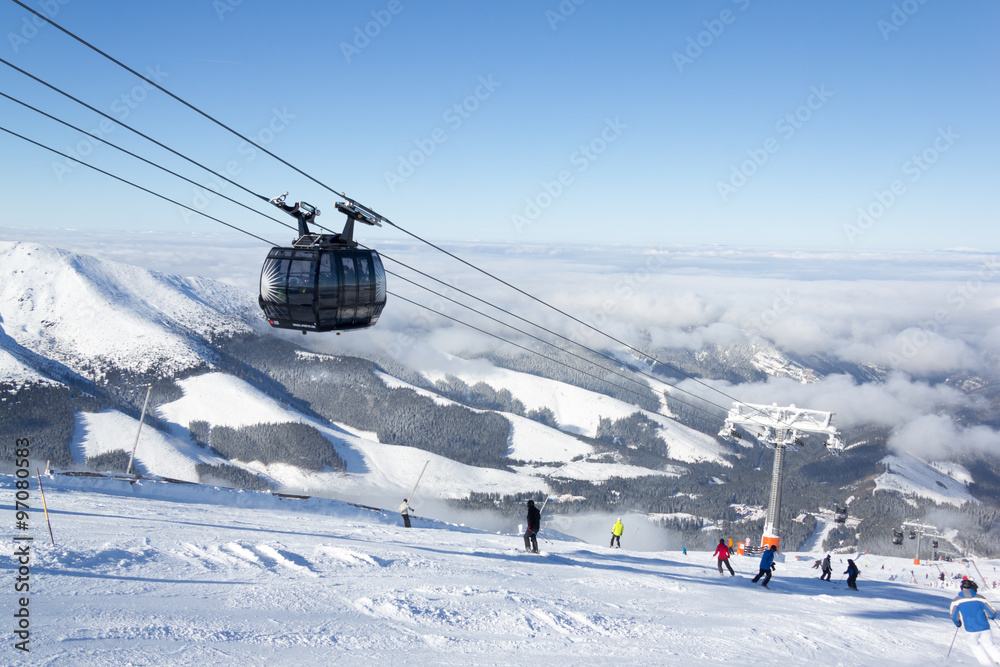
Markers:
<point>96,328</point>
<point>69,316</point>
<point>65,313</point>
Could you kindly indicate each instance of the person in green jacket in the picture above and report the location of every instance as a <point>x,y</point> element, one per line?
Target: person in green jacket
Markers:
<point>616,533</point>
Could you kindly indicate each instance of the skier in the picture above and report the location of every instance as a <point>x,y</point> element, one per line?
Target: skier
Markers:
<point>722,553</point>
<point>616,533</point>
<point>975,612</point>
<point>405,510</point>
<point>827,569</point>
<point>852,573</point>
<point>534,523</point>
<point>766,565</point>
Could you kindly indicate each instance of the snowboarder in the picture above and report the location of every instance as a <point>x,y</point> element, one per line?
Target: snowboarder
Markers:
<point>616,533</point>
<point>405,510</point>
<point>722,553</point>
<point>534,523</point>
<point>827,569</point>
<point>974,612</point>
<point>766,565</point>
<point>852,573</point>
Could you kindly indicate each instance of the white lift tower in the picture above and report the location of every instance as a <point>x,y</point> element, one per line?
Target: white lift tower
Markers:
<point>779,428</point>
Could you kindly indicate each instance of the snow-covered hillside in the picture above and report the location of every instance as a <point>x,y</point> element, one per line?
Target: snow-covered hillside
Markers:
<point>166,574</point>
<point>94,315</point>
<point>579,410</point>
<point>943,483</point>
<point>374,470</point>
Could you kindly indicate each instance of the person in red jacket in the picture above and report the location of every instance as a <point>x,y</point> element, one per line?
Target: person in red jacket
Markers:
<point>722,552</point>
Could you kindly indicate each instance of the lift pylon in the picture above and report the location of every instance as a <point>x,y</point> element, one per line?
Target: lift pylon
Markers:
<point>779,428</point>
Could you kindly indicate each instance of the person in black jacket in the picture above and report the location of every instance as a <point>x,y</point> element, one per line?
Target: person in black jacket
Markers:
<point>852,573</point>
<point>827,569</point>
<point>534,523</point>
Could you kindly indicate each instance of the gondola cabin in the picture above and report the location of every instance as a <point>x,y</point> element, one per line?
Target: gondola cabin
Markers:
<point>323,282</point>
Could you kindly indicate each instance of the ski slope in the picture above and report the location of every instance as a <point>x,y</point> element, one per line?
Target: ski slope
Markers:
<point>943,483</point>
<point>168,574</point>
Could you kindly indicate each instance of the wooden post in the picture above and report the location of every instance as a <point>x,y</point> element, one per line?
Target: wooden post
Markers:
<point>44,506</point>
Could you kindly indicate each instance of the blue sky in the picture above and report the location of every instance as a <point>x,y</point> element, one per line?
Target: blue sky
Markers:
<point>806,124</point>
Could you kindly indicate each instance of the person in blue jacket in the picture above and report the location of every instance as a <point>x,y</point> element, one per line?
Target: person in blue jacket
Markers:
<point>852,573</point>
<point>973,612</point>
<point>766,565</point>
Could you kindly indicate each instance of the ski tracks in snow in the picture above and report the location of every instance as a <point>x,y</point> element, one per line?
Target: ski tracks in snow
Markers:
<point>241,555</point>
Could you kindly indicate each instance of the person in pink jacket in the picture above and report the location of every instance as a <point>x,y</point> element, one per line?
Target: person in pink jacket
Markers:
<point>722,553</point>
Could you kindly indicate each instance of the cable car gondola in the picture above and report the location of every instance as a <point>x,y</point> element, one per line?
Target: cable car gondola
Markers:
<point>323,282</point>
<point>841,515</point>
<point>897,537</point>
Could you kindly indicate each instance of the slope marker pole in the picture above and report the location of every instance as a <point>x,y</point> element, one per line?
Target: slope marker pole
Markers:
<point>44,506</point>
<point>418,480</point>
<point>142,417</point>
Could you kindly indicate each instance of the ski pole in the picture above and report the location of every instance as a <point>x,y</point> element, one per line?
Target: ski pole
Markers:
<point>952,644</point>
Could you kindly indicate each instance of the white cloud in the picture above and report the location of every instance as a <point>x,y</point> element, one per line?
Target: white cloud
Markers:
<point>933,437</point>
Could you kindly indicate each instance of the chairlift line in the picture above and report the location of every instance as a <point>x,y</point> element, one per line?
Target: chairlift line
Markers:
<point>371,214</point>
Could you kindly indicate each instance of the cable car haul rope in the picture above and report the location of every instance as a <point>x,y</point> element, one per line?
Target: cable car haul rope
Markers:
<point>329,282</point>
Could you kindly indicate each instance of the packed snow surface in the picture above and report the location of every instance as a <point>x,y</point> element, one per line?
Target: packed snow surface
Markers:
<point>167,574</point>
